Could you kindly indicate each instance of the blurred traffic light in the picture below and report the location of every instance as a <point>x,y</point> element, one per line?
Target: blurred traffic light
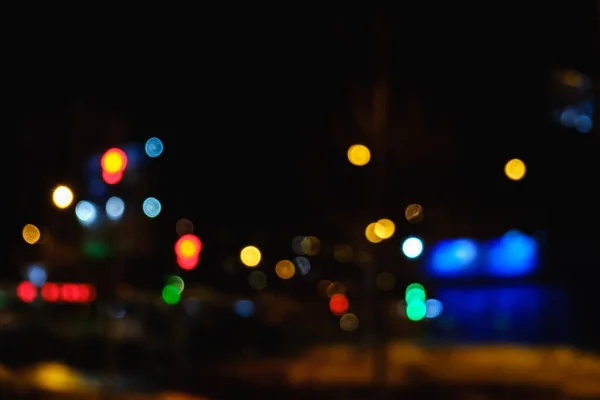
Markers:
<point>187,249</point>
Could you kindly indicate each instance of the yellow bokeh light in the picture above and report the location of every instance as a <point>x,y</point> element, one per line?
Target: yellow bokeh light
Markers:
<point>285,269</point>
<point>359,155</point>
<point>62,197</point>
<point>370,233</point>
<point>188,248</point>
<point>384,228</point>
<point>31,234</point>
<point>113,162</point>
<point>310,245</point>
<point>250,256</point>
<point>515,169</point>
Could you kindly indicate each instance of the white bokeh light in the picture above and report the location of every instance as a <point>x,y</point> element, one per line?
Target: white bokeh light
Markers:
<point>412,247</point>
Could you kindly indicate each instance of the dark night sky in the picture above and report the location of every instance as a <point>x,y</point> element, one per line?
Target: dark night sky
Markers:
<point>269,108</point>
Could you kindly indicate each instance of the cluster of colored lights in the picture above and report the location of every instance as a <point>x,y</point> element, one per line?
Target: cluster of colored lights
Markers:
<point>417,304</point>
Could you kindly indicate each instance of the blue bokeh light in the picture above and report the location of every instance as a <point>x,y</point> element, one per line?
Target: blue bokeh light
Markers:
<point>302,264</point>
<point>154,147</point>
<point>151,207</point>
<point>115,207</point>
<point>86,213</point>
<point>583,124</point>
<point>434,308</point>
<point>568,117</point>
<point>36,274</point>
<point>453,258</point>
<point>513,255</point>
<point>244,308</point>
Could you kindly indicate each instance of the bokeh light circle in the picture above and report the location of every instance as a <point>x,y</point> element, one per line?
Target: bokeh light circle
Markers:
<point>414,213</point>
<point>257,280</point>
<point>114,161</point>
<point>86,212</point>
<point>285,269</point>
<point>115,207</point>
<point>412,247</point>
<point>302,264</point>
<point>349,322</point>
<point>62,197</point>
<point>31,234</point>
<point>250,256</point>
<point>359,155</point>
<point>515,169</point>
<point>151,207</point>
<point>154,147</point>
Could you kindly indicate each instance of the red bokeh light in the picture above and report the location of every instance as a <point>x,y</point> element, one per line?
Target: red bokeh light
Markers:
<point>50,292</point>
<point>188,263</point>
<point>26,291</point>
<point>112,179</point>
<point>68,292</point>
<point>338,304</point>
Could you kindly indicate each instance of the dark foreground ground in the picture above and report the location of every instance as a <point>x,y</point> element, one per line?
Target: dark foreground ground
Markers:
<point>229,390</point>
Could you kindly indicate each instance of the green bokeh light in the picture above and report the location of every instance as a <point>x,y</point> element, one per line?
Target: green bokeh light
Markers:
<point>414,292</point>
<point>176,281</point>
<point>416,310</point>
<point>171,294</point>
